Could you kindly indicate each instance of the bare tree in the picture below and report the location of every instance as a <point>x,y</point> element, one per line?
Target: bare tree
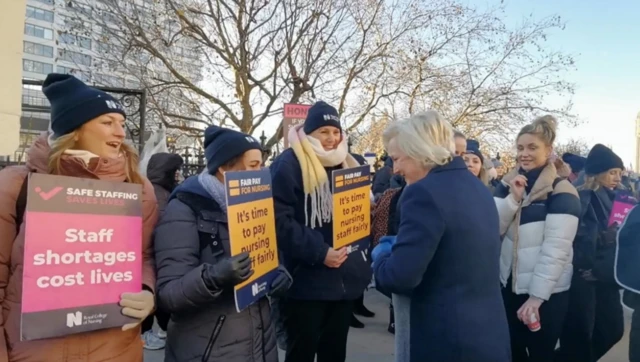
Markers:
<point>487,78</point>
<point>237,62</point>
<point>252,56</point>
<point>576,146</point>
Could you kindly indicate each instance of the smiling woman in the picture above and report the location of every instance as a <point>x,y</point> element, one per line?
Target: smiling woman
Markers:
<point>87,141</point>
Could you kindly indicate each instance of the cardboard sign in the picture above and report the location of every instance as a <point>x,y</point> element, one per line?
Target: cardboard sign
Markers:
<point>252,229</point>
<point>83,241</point>
<point>351,205</point>
<point>294,114</point>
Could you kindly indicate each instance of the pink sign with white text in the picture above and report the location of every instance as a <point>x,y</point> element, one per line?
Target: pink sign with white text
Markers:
<point>83,240</point>
<point>622,204</point>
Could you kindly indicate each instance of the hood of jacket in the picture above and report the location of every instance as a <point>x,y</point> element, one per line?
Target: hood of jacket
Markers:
<point>161,169</point>
<point>108,169</point>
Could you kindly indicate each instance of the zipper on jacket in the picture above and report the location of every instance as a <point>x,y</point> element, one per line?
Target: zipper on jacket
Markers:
<point>214,335</point>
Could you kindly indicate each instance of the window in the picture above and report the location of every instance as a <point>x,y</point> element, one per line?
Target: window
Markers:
<point>81,41</point>
<point>83,76</point>
<point>38,31</point>
<point>80,9</point>
<point>37,49</point>
<point>74,57</point>
<point>36,67</point>
<point>48,2</point>
<point>39,14</point>
<point>109,80</point>
<point>26,139</point>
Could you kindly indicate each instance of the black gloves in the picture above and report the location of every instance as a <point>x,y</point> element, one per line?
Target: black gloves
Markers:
<point>228,272</point>
<point>281,283</point>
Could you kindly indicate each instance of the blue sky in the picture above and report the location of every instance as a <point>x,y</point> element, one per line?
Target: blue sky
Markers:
<point>604,36</point>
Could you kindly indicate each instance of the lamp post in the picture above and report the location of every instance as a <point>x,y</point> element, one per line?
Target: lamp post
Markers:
<point>349,143</point>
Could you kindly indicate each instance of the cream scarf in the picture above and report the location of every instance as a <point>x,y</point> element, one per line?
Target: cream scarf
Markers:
<point>313,159</point>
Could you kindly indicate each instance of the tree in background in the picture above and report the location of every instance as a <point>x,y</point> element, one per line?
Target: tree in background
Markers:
<point>236,63</point>
<point>576,146</point>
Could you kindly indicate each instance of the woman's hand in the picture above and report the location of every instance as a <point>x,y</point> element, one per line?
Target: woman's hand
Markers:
<point>531,306</point>
<point>516,186</point>
<point>137,305</point>
<point>335,258</point>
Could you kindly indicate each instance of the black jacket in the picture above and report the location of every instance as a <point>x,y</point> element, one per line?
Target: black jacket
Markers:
<point>161,172</point>
<point>304,249</point>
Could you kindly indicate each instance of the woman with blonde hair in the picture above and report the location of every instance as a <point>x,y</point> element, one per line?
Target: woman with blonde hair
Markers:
<point>88,141</point>
<point>538,217</point>
<point>444,259</point>
<point>317,310</point>
<point>595,321</point>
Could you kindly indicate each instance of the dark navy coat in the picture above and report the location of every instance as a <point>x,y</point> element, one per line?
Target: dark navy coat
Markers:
<point>446,258</point>
<point>304,249</point>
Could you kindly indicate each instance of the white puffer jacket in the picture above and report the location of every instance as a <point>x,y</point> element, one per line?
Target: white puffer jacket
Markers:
<point>537,248</point>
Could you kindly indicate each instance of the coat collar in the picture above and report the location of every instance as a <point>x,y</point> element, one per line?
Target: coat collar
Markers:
<point>542,186</point>
<point>455,164</point>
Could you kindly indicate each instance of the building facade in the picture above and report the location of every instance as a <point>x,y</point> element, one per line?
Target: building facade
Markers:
<point>75,37</point>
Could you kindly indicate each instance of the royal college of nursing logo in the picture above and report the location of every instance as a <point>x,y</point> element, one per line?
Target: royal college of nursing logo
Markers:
<point>258,288</point>
<point>77,319</point>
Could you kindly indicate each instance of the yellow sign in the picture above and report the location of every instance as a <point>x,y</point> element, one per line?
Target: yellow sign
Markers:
<point>351,205</point>
<point>252,229</point>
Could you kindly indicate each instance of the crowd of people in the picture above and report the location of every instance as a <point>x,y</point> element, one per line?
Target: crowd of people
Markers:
<point>481,264</point>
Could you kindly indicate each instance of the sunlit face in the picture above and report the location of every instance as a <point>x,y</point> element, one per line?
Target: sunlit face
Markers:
<point>403,165</point>
<point>611,178</point>
<point>179,177</point>
<point>250,161</point>
<point>532,152</point>
<point>461,146</point>
<point>328,136</point>
<point>474,164</point>
<point>102,136</point>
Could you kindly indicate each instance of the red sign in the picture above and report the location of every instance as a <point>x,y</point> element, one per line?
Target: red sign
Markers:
<point>294,114</point>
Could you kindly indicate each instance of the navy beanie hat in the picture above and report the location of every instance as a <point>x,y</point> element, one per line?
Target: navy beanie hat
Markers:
<point>601,159</point>
<point>221,145</point>
<point>473,147</point>
<point>321,114</point>
<point>576,162</point>
<point>73,103</point>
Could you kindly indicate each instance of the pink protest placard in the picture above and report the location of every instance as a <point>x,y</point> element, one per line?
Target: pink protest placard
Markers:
<point>83,241</point>
<point>622,204</point>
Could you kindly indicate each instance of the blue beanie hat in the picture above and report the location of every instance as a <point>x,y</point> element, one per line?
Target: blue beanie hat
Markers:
<point>321,114</point>
<point>73,103</point>
<point>473,147</point>
<point>221,145</point>
<point>576,162</point>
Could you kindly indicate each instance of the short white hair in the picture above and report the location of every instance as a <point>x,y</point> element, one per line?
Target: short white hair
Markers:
<point>425,137</point>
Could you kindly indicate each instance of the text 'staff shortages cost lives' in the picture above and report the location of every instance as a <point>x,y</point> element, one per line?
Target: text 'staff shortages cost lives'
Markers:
<point>252,229</point>
<point>351,206</point>
<point>83,241</point>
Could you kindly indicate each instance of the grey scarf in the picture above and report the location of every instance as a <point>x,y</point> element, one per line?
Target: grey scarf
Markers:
<point>214,187</point>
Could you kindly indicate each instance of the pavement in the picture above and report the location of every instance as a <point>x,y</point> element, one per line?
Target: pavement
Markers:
<point>374,344</point>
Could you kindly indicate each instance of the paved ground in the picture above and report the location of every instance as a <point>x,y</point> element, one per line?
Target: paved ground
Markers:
<point>375,344</point>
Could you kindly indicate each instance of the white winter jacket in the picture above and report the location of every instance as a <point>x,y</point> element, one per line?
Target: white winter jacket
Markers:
<point>537,248</point>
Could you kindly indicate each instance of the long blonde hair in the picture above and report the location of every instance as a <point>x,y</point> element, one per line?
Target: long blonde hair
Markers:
<point>66,142</point>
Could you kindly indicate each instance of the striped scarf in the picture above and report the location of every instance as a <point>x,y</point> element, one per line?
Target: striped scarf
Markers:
<point>313,159</point>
